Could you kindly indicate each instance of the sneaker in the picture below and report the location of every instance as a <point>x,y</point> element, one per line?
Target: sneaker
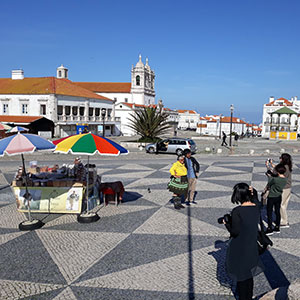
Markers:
<point>277,229</point>
<point>269,231</point>
<point>187,203</point>
<point>181,206</point>
<point>285,226</point>
<point>177,207</point>
<point>194,202</point>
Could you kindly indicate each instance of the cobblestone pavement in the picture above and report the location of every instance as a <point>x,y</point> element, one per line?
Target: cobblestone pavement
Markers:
<point>142,249</point>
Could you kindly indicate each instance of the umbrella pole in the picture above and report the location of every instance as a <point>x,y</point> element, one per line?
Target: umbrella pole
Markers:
<point>26,188</point>
<point>87,186</point>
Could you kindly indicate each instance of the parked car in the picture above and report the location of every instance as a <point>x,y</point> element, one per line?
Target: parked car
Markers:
<point>172,145</point>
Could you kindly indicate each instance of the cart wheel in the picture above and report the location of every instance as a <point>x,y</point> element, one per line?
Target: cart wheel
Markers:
<point>88,218</point>
<point>31,225</point>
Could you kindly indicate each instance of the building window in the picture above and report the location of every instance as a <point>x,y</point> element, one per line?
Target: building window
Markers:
<point>24,109</point>
<point>138,80</point>
<point>126,100</point>
<point>43,109</point>
<point>5,108</point>
<point>59,73</point>
<point>115,99</point>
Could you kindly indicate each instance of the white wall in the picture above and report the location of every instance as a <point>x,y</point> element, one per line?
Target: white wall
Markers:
<point>33,101</point>
<point>121,97</point>
<point>213,128</point>
<point>188,120</point>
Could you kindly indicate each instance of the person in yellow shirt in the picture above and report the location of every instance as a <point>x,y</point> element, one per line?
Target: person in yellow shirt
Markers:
<point>178,184</point>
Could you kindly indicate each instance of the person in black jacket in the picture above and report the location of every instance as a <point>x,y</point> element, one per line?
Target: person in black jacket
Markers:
<point>242,257</point>
<point>193,169</point>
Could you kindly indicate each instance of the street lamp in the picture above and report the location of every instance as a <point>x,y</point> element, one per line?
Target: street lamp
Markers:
<point>231,113</point>
<point>220,124</point>
<point>103,114</point>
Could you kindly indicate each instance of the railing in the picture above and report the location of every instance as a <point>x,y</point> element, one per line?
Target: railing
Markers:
<point>66,118</point>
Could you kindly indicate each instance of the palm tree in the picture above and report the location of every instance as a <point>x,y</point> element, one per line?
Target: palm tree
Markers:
<point>149,123</point>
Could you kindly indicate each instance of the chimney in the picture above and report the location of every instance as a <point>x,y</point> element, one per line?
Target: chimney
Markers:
<point>17,74</point>
<point>271,99</point>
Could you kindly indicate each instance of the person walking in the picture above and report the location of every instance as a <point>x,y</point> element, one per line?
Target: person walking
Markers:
<point>242,257</point>
<point>224,136</point>
<point>275,185</point>
<point>178,184</point>
<point>193,169</point>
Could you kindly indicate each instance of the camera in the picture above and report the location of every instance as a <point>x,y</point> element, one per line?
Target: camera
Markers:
<point>226,219</point>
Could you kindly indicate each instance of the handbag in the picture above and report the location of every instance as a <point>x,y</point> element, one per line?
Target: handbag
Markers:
<point>263,241</point>
<point>264,196</point>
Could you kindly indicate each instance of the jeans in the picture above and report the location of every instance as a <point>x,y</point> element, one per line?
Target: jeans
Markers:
<point>273,202</point>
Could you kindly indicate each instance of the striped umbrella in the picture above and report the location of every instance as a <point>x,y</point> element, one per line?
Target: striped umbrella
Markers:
<point>21,144</point>
<point>17,129</point>
<point>88,144</point>
<point>4,126</point>
<point>24,143</point>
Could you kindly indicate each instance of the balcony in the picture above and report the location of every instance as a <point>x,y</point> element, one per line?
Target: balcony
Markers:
<point>96,119</point>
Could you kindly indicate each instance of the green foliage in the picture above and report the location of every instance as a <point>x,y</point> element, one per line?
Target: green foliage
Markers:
<point>149,123</point>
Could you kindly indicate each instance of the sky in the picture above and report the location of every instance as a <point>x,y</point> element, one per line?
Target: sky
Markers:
<point>206,55</point>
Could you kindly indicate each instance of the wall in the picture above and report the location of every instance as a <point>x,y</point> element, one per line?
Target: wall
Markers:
<point>120,96</point>
<point>34,101</point>
<point>193,119</point>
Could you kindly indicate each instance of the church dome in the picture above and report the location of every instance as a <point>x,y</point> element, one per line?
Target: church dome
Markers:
<point>140,63</point>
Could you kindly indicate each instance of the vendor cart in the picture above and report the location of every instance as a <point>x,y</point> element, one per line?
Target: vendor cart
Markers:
<point>51,194</point>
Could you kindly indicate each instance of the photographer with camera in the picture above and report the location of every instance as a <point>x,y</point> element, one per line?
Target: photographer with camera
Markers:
<point>286,160</point>
<point>275,185</point>
<point>242,258</point>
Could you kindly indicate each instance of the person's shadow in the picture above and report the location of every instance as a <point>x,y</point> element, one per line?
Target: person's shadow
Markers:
<point>220,256</point>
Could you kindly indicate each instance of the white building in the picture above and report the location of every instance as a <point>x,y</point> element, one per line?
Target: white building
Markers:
<point>139,91</point>
<point>57,99</point>
<point>214,125</point>
<point>129,96</point>
<point>188,119</point>
<point>280,122</point>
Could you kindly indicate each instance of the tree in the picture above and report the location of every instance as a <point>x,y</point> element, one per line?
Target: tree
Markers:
<point>149,123</point>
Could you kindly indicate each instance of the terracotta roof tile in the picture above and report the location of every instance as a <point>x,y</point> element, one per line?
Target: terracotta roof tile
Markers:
<point>106,87</point>
<point>45,85</point>
<point>19,119</point>
<point>227,120</point>
<point>182,111</point>
<point>285,101</point>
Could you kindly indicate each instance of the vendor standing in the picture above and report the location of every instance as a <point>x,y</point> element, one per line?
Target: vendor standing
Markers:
<point>179,182</point>
<point>79,170</point>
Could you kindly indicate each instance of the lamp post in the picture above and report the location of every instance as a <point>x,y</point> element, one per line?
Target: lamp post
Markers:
<point>231,113</point>
<point>220,124</point>
<point>103,114</point>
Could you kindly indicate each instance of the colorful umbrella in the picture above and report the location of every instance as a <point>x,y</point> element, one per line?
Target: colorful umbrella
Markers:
<point>24,143</point>
<point>20,144</point>
<point>88,144</point>
<point>4,126</point>
<point>17,129</point>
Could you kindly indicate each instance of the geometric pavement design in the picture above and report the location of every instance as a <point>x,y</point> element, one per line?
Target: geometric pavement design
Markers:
<point>142,249</point>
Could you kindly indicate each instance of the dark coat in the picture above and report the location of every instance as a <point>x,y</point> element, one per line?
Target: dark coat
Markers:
<point>242,259</point>
<point>195,164</point>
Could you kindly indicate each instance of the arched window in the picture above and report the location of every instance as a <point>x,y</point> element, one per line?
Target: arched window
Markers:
<point>59,73</point>
<point>138,80</point>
